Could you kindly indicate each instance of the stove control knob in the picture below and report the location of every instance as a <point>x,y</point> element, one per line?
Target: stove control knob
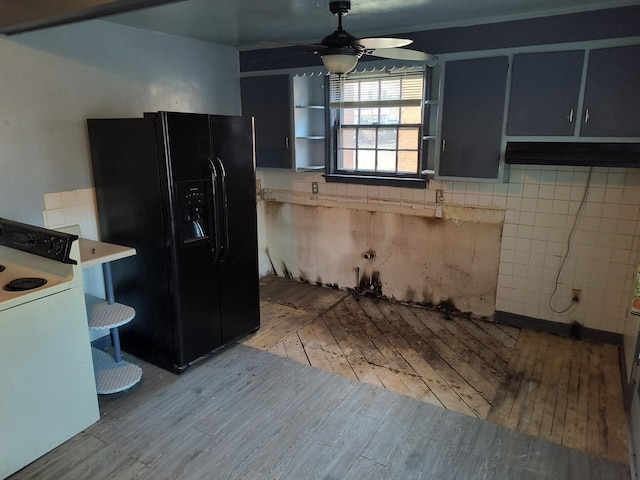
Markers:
<point>55,246</point>
<point>27,240</point>
<point>59,246</point>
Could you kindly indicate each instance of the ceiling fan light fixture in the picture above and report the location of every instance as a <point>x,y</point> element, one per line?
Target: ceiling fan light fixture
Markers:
<point>340,60</point>
<point>339,64</point>
<point>340,51</point>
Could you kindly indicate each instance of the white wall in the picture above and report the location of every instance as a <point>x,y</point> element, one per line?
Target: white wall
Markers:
<point>52,80</point>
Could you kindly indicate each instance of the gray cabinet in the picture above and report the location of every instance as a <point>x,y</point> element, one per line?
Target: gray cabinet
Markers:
<point>472,117</point>
<point>544,93</point>
<point>612,94</point>
<point>268,99</point>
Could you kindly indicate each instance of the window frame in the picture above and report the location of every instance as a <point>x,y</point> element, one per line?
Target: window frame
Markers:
<point>409,180</point>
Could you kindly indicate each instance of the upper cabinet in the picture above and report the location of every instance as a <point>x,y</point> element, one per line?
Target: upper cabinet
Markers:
<point>268,99</point>
<point>290,119</point>
<point>612,93</point>
<point>545,89</point>
<point>472,117</point>
<point>545,94</point>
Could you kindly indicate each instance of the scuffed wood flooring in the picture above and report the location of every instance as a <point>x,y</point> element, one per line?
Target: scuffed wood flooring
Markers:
<point>566,391</point>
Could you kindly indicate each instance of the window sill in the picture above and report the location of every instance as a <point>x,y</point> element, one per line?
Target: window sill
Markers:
<point>380,181</point>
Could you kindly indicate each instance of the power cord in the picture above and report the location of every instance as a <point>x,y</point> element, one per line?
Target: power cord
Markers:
<point>566,255</point>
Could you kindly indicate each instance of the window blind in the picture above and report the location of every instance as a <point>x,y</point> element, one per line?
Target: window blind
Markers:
<point>393,87</point>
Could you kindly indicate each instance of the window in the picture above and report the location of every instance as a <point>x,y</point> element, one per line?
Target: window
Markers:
<point>377,125</point>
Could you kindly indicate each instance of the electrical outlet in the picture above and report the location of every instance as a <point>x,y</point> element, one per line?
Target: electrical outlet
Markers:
<point>314,188</point>
<point>258,185</point>
<point>439,196</point>
<point>576,295</point>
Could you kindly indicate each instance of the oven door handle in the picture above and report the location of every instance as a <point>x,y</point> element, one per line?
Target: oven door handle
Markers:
<point>225,209</point>
<point>215,250</point>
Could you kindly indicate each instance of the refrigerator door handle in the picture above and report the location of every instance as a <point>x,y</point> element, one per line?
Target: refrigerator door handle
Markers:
<point>214,203</point>
<point>225,210</point>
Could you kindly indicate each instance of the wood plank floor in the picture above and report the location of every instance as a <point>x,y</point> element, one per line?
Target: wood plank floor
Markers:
<point>566,391</point>
<point>248,414</point>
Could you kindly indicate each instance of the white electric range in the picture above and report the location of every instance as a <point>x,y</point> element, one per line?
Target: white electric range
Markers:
<point>48,391</point>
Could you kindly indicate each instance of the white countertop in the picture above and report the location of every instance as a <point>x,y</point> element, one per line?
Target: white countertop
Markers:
<point>96,253</point>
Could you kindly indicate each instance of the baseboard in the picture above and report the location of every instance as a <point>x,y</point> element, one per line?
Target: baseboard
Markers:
<point>561,329</point>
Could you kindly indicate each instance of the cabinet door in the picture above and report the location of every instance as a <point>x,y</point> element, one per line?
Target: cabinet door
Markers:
<point>268,100</point>
<point>612,95</point>
<point>544,93</point>
<point>472,115</point>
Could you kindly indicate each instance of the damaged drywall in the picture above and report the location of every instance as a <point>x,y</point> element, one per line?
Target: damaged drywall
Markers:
<point>411,256</point>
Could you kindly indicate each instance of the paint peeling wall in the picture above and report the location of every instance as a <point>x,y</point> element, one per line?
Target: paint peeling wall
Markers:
<point>398,251</point>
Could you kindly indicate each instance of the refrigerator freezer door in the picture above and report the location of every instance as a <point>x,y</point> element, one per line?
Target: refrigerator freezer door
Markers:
<point>194,273</point>
<point>132,205</point>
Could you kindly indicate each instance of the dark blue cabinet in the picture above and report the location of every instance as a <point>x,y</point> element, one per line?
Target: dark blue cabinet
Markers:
<point>472,117</point>
<point>612,94</point>
<point>545,89</point>
<point>268,100</point>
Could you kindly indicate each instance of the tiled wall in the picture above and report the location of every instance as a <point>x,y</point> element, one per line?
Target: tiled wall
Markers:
<point>340,192</point>
<point>540,204</point>
<point>76,207</point>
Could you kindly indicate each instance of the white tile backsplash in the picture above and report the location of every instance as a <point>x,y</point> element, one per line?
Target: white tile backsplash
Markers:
<point>52,201</point>
<point>70,198</point>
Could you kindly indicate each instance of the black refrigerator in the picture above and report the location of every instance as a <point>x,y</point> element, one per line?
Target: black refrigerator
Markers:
<point>180,188</point>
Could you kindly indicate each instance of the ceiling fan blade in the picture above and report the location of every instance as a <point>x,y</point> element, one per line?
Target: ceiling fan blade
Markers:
<point>270,58</point>
<point>373,43</point>
<point>292,44</point>
<point>402,54</point>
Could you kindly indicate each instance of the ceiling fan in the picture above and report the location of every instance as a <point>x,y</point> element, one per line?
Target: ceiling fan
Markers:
<point>340,51</point>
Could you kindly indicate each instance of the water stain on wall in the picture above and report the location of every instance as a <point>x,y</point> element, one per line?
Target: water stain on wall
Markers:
<point>418,259</point>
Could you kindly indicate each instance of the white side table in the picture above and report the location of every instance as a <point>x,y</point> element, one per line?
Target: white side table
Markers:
<point>112,374</point>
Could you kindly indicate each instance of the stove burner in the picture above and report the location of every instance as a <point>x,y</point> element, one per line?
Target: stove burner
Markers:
<point>22,284</point>
<point>2,268</point>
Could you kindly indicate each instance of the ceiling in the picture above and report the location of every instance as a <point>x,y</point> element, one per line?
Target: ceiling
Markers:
<point>247,24</point>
